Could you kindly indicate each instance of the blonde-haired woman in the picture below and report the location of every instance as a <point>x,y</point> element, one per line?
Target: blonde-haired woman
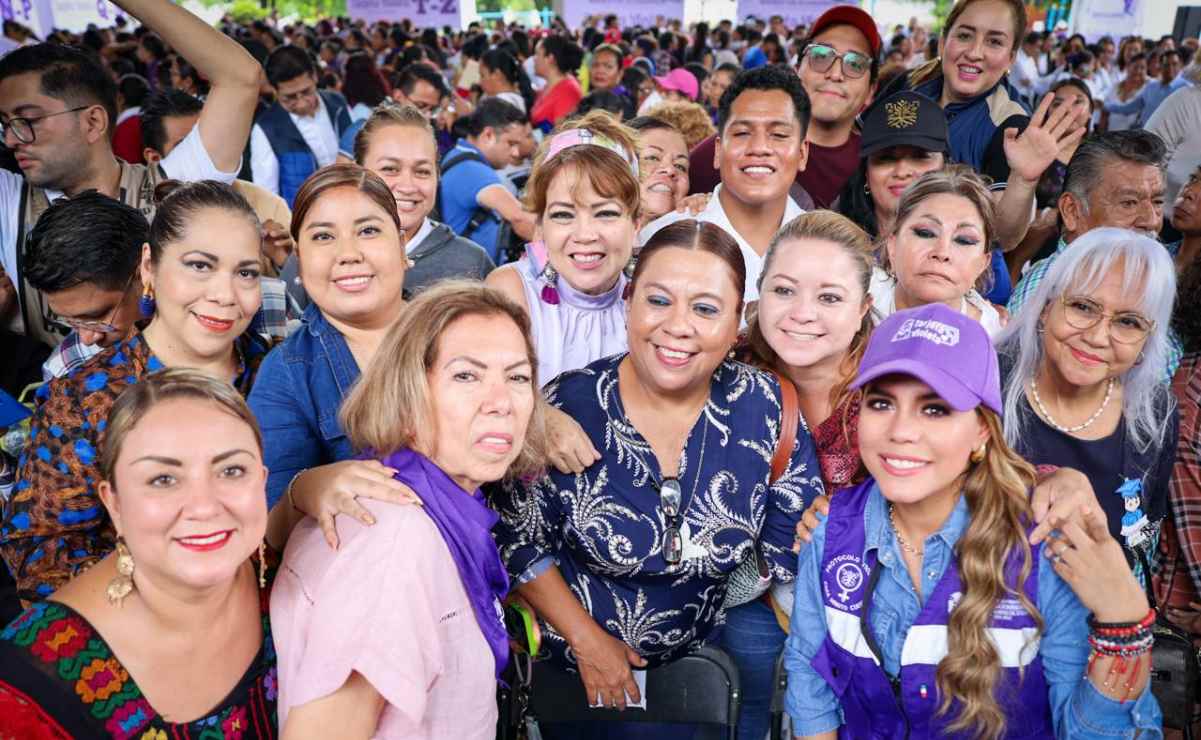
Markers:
<point>940,247</point>
<point>398,633</point>
<point>920,608</point>
<point>812,324</point>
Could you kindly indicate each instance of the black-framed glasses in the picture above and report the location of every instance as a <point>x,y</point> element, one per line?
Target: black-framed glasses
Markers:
<point>1126,327</point>
<point>670,497</point>
<point>105,326</point>
<point>822,58</point>
<point>22,126</point>
<point>304,94</point>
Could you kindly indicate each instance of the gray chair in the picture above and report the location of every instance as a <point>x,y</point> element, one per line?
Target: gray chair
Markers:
<point>700,688</point>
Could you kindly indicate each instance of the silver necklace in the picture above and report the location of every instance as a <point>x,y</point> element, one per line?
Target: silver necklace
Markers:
<point>892,518</point>
<point>1038,401</point>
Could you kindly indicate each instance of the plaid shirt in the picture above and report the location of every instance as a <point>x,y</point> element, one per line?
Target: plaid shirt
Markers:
<point>1033,276</point>
<point>1179,577</point>
<point>270,321</point>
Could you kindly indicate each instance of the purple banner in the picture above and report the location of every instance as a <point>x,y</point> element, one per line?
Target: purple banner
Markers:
<point>423,13</point>
<point>795,12</point>
<point>630,12</point>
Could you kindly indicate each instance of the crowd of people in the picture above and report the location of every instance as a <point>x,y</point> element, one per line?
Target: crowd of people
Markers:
<point>370,358</point>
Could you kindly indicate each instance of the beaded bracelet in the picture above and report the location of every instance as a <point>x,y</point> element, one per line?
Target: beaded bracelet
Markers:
<point>1117,628</point>
<point>1103,648</point>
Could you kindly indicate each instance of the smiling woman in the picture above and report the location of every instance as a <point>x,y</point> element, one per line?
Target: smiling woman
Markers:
<point>1083,366</point>
<point>200,278</point>
<point>672,414</point>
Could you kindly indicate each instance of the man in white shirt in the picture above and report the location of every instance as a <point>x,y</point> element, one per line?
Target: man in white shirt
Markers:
<point>60,128</point>
<point>299,133</point>
<point>1177,122</point>
<point>760,149</point>
<point>1025,74</point>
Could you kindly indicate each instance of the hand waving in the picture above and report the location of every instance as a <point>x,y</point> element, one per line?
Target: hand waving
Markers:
<point>1032,151</point>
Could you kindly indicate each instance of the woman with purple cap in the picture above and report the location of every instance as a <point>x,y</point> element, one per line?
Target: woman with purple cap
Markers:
<point>398,632</point>
<point>921,610</point>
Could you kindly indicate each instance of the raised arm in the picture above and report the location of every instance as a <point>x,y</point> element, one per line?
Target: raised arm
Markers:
<point>233,74</point>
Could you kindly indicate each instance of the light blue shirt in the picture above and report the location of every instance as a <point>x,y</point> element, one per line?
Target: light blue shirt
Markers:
<point>1079,711</point>
<point>1145,103</point>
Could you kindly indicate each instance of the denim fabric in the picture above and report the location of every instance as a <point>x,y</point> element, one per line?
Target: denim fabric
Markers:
<point>753,638</point>
<point>296,399</point>
<point>1079,710</point>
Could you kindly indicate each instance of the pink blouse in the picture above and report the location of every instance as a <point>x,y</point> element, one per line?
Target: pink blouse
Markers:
<point>388,603</point>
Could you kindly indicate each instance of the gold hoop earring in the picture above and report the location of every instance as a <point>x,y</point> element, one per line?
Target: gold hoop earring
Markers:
<point>122,585</point>
<point>977,456</point>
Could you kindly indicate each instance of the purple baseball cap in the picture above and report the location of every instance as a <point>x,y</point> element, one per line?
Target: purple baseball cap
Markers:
<point>941,347</point>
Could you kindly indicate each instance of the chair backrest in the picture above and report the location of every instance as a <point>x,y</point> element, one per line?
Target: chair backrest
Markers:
<point>700,688</point>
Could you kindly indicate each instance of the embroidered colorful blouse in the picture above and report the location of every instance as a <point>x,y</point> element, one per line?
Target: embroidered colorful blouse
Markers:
<point>60,679</point>
<point>54,525</point>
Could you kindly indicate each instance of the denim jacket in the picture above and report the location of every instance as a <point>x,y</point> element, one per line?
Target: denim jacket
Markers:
<point>296,399</point>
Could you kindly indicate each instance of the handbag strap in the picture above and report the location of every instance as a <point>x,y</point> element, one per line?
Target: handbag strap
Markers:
<point>790,415</point>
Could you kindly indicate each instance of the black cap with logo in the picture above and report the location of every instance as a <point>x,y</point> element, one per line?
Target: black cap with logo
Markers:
<point>905,119</point>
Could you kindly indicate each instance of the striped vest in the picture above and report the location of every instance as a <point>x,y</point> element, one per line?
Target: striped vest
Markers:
<point>875,706</point>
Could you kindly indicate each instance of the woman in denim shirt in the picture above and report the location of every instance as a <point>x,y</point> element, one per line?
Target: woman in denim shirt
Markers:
<point>975,635</point>
<point>352,264</point>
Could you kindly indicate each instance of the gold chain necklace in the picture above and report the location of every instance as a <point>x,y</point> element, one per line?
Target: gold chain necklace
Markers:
<point>892,517</point>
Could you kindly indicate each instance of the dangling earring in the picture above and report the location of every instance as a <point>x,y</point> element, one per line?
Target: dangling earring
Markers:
<point>628,271</point>
<point>550,293</point>
<point>1140,359</point>
<point>977,456</point>
<point>122,585</point>
<point>866,189</point>
<point>146,302</point>
<point>262,565</point>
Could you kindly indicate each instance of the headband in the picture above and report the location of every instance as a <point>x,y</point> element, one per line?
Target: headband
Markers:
<point>584,137</point>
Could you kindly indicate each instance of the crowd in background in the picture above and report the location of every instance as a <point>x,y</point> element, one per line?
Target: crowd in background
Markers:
<point>346,365</point>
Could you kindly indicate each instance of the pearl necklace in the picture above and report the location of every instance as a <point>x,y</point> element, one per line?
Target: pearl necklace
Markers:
<point>1069,430</point>
<point>892,518</point>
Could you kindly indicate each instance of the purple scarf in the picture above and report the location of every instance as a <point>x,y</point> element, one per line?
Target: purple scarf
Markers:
<point>465,522</point>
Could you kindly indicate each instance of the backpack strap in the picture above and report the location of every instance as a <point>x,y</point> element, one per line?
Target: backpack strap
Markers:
<point>789,417</point>
<point>480,215</point>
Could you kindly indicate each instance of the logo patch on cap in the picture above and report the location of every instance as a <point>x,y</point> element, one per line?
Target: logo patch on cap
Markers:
<point>928,329</point>
<point>901,113</point>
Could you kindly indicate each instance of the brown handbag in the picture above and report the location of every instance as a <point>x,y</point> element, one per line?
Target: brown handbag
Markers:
<point>790,415</point>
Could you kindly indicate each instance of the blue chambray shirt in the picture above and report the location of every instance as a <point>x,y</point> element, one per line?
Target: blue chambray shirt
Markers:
<point>296,398</point>
<point>1079,711</point>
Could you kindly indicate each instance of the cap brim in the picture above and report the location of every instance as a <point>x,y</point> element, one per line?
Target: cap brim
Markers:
<point>928,143</point>
<point>956,394</point>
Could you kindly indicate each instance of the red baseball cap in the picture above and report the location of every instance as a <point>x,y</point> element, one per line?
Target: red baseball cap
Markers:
<point>851,16</point>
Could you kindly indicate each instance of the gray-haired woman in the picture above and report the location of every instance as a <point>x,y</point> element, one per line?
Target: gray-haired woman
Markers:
<point>1082,367</point>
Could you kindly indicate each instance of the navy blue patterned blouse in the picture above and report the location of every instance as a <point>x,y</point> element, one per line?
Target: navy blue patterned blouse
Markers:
<point>604,528</point>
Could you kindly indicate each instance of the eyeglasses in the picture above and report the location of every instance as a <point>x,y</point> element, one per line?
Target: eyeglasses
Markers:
<point>22,126</point>
<point>670,496</point>
<point>99,327</point>
<point>821,58</point>
<point>1126,327</point>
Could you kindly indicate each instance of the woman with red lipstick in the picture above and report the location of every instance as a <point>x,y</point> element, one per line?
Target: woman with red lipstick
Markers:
<point>398,632</point>
<point>1083,365</point>
<point>200,272</point>
<point>168,636</point>
<point>921,609</point>
<point>628,561</point>
<point>585,191</point>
